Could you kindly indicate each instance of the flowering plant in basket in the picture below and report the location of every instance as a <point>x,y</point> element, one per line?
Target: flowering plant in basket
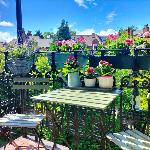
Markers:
<point>105,74</point>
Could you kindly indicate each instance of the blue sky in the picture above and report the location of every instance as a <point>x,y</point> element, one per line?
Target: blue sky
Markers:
<point>83,16</point>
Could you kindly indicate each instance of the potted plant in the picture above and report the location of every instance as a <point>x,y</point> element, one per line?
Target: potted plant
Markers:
<point>105,74</point>
<point>90,78</point>
<point>20,59</point>
<point>71,67</point>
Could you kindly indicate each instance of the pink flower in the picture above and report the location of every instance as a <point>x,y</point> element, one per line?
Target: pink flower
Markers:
<point>146,34</point>
<point>102,62</point>
<point>113,37</point>
<point>59,43</point>
<point>64,42</point>
<point>81,40</point>
<point>90,70</point>
<point>128,41</point>
<point>71,58</point>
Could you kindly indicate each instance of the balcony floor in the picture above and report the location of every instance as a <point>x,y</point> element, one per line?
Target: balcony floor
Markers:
<point>29,143</point>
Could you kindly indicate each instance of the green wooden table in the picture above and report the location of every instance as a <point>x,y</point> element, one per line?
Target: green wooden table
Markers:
<point>90,99</point>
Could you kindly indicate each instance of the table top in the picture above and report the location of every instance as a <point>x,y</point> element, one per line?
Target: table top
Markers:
<point>21,120</point>
<point>91,98</point>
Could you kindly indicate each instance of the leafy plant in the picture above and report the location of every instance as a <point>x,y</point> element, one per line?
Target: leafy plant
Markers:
<point>2,60</point>
<point>104,69</point>
<point>42,64</point>
<point>71,65</point>
<point>25,51</point>
<point>89,73</point>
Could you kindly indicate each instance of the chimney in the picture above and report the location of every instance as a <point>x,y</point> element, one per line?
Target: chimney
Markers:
<point>93,35</point>
<point>146,28</point>
<point>130,32</point>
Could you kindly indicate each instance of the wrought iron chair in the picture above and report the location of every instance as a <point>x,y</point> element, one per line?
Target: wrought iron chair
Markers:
<point>130,138</point>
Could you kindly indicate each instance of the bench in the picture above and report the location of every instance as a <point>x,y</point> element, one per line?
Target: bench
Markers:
<point>132,139</point>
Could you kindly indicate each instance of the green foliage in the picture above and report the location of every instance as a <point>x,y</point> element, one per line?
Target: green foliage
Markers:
<point>63,32</point>
<point>72,33</point>
<point>49,35</point>
<point>104,69</point>
<point>39,33</point>
<point>71,65</point>
<point>27,50</point>
<point>2,60</point>
<point>89,72</point>
<point>53,47</point>
<point>42,64</point>
<point>119,43</point>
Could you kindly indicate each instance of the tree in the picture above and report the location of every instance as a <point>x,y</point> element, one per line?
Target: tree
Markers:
<point>134,28</point>
<point>39,33</point>
<point>49,35</point>
<point>63,32</point>
<point>72,33</point>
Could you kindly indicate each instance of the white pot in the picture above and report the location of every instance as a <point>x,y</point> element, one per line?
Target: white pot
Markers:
<point>105,81</point>
<point>90,82</point>
<point>74,79</point>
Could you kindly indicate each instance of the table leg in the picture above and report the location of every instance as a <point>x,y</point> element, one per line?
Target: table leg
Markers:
<point>56,124</point>
<point>76,136</point>
<point>39,139</point>
<point>103,129</point>
<point>114,114</point>
<point>121,103</point>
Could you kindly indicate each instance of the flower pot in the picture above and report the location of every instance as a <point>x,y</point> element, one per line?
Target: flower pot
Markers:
<point>105,82</point>
<point>20,66</point>
<point>74,79</point>
<point>90,82</point>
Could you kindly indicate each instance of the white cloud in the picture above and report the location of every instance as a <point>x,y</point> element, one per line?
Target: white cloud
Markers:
<point>110,16</point>
<point>3,2</point>
<point>6,37</point>
<point>84,3</point>
<point>87,31</point>
<point>81,3</point>
<point>6,24</point>
<point>107,32</point>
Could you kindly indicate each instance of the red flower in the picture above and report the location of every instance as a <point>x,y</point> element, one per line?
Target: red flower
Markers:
<point>128,41</point>
<point>90,70</point>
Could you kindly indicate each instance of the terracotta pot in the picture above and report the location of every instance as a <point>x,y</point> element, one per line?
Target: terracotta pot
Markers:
<point>74,79</point>
<point>106,82</point>
<point>90,82</point>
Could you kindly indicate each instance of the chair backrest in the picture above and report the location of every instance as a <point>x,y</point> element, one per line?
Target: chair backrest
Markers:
<point>30,83</point>
<point>22,86</point>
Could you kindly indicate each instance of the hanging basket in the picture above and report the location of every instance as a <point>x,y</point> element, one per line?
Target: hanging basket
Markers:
<point>20,66</point>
